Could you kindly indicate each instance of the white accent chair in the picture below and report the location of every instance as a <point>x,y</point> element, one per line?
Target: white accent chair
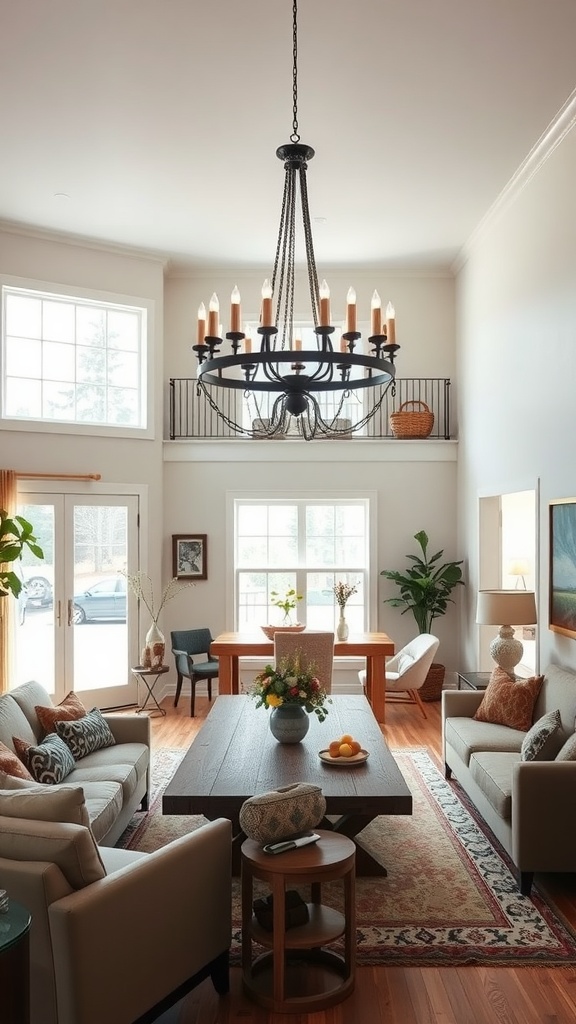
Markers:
<point>407,670</point>
<point>314,649</point>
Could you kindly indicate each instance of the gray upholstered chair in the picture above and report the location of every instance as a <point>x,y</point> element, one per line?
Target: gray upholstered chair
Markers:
<point>314,649</point>
<point>186,645</point>
<point>407,670</point>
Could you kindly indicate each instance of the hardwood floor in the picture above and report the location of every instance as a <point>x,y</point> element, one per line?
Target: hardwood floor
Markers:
<point>397,995</point>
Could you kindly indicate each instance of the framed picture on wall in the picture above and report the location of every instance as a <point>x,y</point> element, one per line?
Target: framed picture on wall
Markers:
<point>563,566</point>
<point>189,556</point>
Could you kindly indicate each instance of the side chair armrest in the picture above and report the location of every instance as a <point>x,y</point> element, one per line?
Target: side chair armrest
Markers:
<point>127,941</point>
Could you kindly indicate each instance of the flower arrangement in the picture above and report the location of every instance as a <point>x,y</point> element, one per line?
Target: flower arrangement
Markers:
<point>287,603</point>
<point>289,683</point>
<point>343,591</point>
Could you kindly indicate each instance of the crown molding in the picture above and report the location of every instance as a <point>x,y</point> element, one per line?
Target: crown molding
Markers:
<point>83,242</point>
<point>551,138</point>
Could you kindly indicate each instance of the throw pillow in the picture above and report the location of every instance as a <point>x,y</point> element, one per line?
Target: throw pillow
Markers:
<point>66,803</point>
<point>11,763</point>
<point>568,751</point>
<point>509,701</point>
<point>48,762</point>
<point>543,740</point>
<point>71,847</point>
<point>282,812</point>
<point>68,710</point>
<point>87,734</point>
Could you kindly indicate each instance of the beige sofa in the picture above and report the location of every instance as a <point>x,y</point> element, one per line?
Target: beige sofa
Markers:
<point>527,804</point>
<point>115,779</point>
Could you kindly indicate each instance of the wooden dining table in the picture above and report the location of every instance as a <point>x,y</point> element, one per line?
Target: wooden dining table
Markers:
<point>374,647</point>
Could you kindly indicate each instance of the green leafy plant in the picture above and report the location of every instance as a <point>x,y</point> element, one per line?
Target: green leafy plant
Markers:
<point>425,587</point>
<point>16,533</point>
<point>287,603</point>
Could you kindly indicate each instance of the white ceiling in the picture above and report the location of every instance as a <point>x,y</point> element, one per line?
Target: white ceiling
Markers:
<point>154,123</point>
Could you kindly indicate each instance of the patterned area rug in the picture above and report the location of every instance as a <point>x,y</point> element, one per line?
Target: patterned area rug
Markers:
<point>450,896</point>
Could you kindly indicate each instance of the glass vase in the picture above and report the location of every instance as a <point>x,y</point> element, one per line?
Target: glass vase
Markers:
<point>342,630</point>
<point>155,648</point>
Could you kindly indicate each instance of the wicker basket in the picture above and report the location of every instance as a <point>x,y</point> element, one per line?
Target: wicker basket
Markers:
<point>431,688</point>
<point>269,631</point>
<point>414,423</point>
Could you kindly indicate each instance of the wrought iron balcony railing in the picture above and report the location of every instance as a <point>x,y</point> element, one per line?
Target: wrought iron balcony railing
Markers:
<point>191,416</point>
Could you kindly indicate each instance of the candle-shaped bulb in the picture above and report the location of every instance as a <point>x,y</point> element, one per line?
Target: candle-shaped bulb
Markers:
<point>390,324</point>
<point>235,310</point>
<point>324,305</point>
<point>201,331</point>
<point>213,318</point>
<point>350,312</point>
<point>376,306</point>
<point>266,311</point>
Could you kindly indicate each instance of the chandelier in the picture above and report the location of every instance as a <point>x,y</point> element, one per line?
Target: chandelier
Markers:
<point>289,387</point>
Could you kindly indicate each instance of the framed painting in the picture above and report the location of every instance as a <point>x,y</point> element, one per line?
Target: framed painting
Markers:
<point>562,611</point>
<point>189,556</point>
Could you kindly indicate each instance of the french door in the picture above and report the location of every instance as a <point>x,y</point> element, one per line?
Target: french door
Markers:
<point>77,621</point>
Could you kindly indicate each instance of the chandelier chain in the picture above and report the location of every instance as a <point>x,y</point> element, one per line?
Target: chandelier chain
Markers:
<point>295,137</point>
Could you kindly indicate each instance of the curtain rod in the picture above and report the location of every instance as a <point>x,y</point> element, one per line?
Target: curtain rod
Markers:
<point>59,476</point>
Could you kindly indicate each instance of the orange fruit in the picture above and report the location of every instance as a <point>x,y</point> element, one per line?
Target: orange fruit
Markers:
<point>346,738</point>
<point>334,748</point>
<point>345,750</point>
<point>356,747</point>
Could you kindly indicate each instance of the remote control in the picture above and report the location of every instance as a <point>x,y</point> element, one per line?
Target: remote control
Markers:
<point>291,844</point>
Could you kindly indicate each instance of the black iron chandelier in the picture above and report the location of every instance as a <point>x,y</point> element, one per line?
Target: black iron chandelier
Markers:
<point>288,385</point>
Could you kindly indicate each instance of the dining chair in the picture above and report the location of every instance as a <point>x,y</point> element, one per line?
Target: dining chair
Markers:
<point>187,643</point>
<point>315,649</point>
<point>407,670</point>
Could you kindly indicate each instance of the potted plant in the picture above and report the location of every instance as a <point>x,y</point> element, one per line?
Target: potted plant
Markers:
<point>287,603</point>
<point>425,590</point>
<point>16,533</point>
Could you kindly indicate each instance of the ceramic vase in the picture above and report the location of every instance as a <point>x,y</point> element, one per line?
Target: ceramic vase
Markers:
<point>155,648</point>
<point>342,630</point>
<point>289,723</point>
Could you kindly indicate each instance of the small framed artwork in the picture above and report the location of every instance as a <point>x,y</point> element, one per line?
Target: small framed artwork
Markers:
<point>562,618</point>
<point>189,556</point>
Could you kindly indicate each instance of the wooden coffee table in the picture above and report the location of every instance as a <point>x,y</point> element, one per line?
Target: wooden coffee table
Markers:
<point>235,756</point>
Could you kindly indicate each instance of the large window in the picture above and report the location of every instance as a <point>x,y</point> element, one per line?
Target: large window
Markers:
<point>303,544</point>
<point>69,359</point>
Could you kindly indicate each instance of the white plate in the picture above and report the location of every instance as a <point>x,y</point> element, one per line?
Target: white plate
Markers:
<point>343,762</point>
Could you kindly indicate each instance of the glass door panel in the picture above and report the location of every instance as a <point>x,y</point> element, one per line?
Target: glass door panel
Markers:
<point>35,655</point>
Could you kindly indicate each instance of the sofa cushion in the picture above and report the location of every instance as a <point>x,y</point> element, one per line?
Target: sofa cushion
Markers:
<point>71,847</point>
<point>558,691</point>
<point>125,763</point>
<point>509,701</point>
<point>68,710</point>
<point>466,735</point>
<point>48,762</point>
<point>104,802</point>
<point>86,734</point>
<point>568,751</point>
<point>543,741</point>
<point>492,772</point>
<point>123,775</point>
<point>46,803</point>
<point>13,722</point>
<point>27,696</point>
<point>11,763</point>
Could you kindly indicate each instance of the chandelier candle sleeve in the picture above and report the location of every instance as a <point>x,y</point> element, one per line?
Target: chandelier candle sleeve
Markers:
<point>390,324</point>
<point>247,344</point>
<point>213,318</point>
<point>235,311</point>
<point>298,344</point>
<point>351,312</point>
<point>376,306</point>
<point>266,311</point>
<point>201,331</point>
<point>324,305</point>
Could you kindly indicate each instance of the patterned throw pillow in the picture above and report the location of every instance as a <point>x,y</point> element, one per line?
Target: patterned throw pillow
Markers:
<point>11,763</point>
<point>68,710</point>
<point>87,734</point>
<point>543,740</point>
<point>282,812</point>
<point>509,701</point>
<point>48,762</point>
<point>568,751</point>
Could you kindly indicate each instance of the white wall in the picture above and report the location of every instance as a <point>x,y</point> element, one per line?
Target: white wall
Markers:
<point>516,327</point>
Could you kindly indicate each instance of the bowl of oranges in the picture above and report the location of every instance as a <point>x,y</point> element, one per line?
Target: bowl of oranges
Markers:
<point>344,752</point>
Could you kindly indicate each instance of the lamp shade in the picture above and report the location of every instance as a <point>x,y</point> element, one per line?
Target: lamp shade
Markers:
<point>506,607</point>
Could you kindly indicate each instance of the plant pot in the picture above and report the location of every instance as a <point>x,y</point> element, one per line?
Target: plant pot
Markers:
<point>431,689</point>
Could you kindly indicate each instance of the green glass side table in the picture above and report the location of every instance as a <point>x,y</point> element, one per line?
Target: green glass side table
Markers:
<point>15,964</point>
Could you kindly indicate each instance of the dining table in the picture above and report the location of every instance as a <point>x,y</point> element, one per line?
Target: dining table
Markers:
<point>373,647</point>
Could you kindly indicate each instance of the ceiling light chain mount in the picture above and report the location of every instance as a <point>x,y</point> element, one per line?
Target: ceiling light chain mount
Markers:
<point>281,366</point>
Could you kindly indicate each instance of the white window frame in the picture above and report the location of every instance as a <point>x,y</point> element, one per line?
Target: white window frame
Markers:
<point>369,499</point>
<point>146,391</point>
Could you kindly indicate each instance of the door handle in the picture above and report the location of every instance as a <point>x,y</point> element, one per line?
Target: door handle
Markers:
<point>70,611</point>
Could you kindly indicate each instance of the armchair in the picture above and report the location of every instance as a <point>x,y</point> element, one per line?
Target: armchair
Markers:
<point>407,670</point>
<point>188,642</point>
<point>130,937</point>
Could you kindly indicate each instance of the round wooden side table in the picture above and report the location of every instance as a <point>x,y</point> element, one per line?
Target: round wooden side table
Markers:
<point>297,974</point>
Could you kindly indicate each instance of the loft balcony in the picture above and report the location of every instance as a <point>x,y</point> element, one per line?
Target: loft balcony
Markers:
<point>192,416</point>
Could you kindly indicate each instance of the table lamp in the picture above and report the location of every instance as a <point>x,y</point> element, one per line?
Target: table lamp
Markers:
<point>520,568</point>
<point>501,608</point>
